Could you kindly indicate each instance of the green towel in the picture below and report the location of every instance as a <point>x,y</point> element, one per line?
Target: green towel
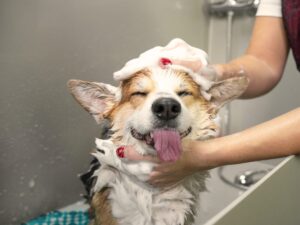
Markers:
<point>61,218</point>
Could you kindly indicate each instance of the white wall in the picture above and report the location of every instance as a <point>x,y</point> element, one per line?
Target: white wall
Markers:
<point>45,136</point>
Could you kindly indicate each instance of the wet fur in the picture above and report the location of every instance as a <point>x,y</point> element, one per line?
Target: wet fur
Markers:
<point>101,209</point>
<point>179,202</point>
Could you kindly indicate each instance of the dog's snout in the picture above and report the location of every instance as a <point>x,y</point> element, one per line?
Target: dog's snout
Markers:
<point>166,108</point>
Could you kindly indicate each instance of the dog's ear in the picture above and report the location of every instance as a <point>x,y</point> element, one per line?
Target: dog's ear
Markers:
<point>225,91</point>
<point>96,98</point>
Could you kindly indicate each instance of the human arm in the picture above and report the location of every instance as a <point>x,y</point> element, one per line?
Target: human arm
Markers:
<point>265,58</point>
<point>273,139</point>
<point>263,62</point>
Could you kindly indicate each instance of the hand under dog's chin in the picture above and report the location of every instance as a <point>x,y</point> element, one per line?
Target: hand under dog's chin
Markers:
<point>144,149</point>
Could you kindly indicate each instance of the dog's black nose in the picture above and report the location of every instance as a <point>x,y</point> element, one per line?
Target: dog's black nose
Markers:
<point>166,108</point>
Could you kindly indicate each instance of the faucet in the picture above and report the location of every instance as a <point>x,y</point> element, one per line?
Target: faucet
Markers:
<point>225,6</point>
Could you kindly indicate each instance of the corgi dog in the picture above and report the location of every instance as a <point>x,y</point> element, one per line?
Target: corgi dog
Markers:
<point>152,109</point>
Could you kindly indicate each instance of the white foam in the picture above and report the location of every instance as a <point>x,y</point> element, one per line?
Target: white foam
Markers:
<point>176,49</point>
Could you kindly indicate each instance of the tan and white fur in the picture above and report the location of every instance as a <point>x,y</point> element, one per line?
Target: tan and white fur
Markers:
<point>121,194</point>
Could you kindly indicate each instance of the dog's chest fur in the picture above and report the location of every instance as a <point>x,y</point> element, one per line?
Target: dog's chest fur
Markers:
<point>133,202</point>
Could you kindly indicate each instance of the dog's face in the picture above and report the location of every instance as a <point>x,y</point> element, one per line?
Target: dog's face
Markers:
<point>156,108</point>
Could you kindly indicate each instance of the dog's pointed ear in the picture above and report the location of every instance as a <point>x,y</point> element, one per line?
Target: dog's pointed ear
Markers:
<point>96,98</point>
<point>222,92</point>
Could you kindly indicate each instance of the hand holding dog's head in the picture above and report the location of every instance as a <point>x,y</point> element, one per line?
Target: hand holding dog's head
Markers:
<point>157,106</point>
<point>154,107</point>
<point>162,115</point>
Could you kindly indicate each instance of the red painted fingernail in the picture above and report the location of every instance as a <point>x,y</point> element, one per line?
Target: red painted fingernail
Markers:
<point>165,61</point>
<point>120,152</point>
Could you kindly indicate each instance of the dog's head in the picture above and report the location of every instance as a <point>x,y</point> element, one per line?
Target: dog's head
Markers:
<point>155,108</point>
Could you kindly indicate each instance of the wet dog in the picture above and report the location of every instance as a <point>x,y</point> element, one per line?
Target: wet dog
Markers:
<point>153,110</point>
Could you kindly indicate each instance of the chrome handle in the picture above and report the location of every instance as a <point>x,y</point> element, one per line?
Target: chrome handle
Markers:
<point>232,5</point>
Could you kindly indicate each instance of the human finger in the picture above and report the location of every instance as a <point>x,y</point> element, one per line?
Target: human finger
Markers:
<point>130,153</point>
<point>194,65</point>
<point>211,72</point>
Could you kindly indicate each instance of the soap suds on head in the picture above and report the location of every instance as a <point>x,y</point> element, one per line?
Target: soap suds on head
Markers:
<point>177,49</point>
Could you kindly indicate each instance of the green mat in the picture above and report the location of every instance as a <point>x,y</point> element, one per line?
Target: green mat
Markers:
<point>61,218</point>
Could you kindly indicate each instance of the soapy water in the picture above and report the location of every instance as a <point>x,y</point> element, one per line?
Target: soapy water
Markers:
<point>176,49</point>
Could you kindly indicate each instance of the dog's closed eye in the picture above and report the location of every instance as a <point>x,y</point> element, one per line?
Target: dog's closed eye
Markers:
<point>184,93</point>
<point>139,93</point>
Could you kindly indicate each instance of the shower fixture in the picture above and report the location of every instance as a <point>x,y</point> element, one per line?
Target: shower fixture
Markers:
<point>245,179</point>
<point>229,9</point>
<point>222,7</point>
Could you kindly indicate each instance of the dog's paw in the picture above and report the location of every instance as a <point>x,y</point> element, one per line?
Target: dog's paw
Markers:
<point>104,146</point>
<point>105,152</point>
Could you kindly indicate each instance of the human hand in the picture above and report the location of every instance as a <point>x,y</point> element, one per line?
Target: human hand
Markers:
<point>210,72</point>
<point>168,174</point>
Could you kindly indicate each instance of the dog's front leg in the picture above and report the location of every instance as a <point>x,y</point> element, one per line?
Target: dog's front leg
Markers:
<point>106,154</point>
<point>106,176</point>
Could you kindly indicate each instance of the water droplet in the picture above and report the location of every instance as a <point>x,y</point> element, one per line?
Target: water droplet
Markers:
<point>31,183</point>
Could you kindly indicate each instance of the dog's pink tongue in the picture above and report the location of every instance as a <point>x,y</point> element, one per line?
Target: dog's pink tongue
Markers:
<point>167,144</point>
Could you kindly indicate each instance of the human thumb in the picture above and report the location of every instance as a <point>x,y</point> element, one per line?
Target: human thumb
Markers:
<point>212,72</point>
<point>128,152</point>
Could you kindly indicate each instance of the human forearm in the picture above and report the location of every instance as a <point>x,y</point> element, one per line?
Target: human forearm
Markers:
<point>261,76</point>
<point>276,138</point>
<point>263,62</point>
